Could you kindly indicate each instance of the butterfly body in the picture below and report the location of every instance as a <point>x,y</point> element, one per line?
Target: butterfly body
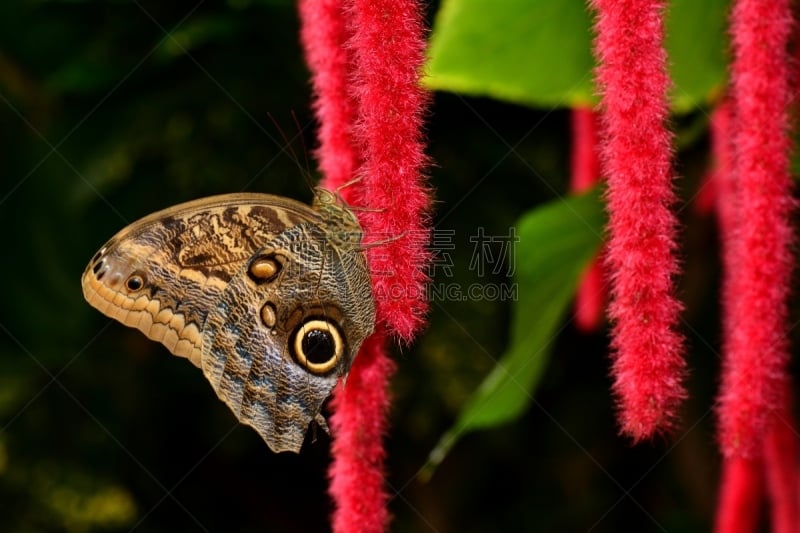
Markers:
<point>269,296</point>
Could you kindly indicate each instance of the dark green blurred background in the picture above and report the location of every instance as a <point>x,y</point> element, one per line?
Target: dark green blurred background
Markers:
<point>103,119</point>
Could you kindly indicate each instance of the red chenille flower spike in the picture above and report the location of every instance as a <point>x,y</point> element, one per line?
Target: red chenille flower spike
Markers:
<point>358,426</point>
<point>648,364</point>
<point>721,172</point>
<point>759,262</point>
<point>366,58</point>
<point>591,294</point>
<point>389,129</point>
<point>324,34</point>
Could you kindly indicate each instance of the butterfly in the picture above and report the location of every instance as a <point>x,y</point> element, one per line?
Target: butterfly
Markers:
<point>270,297</point>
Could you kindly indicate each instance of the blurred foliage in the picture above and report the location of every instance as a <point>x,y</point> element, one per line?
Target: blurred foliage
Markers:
<point>554,245</point>
<point>110,110</point>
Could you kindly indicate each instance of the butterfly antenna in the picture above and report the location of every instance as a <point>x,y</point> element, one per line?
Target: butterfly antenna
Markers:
<point>301,130</point>
<point>363,209</point>
<point>348,183</point>
<point>288,148</point>
<point>387,240</point>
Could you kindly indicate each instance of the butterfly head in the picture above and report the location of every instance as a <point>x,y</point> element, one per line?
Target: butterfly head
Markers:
<point>342,228</point>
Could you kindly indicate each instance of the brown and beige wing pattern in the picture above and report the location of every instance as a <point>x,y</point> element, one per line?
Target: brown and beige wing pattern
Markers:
<point>270,297</point>
<point>161,273</point>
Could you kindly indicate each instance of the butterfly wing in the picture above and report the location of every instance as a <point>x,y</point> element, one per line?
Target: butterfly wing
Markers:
<point>162,273</point>
<point>272,298</point>
<point>285,329</point>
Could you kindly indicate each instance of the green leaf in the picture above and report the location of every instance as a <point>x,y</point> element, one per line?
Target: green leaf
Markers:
<point>697,45</point>
<point>535,52</point>
<point>556,243</point>
<point>539,52</point>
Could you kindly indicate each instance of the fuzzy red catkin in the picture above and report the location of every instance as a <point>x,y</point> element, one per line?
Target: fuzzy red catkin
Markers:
<point>370,106</point>
<point>591,293</point>
<point>324,35</point>
<point>760,262</point>
<point>721,173</point>
<point>648,366</point>
<point>391,104</point>
<point>358,425</point>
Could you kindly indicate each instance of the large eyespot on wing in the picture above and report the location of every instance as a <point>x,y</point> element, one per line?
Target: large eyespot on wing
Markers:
<point>318,345</point>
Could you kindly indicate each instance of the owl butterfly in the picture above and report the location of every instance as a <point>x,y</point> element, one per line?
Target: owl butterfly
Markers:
<point>271,298</point>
